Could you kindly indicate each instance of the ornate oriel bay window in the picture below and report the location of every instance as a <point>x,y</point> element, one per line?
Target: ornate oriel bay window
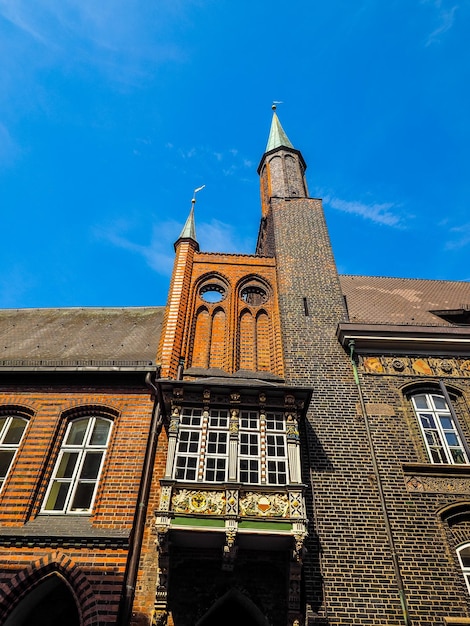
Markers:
<point>233,472</point>
<point>216,445</point>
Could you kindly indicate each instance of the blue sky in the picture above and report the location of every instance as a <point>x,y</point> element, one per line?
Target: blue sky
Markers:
<point>113,111</point>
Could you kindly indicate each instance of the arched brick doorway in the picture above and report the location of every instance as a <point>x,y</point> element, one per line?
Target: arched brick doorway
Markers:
<point>51,603</point>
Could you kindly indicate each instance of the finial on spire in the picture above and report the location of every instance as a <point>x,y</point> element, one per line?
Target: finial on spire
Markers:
<point>276,102</point>
<point>194,194</point>
<point>189,229</point>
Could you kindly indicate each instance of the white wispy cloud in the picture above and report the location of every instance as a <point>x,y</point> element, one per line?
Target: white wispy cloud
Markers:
<point>217,236</point>
<point>381,213</point>
<point>111,36</point>
<point>232,161</point>
<point>158,252</point>
<point>460,237</point>
<point>446,19</point>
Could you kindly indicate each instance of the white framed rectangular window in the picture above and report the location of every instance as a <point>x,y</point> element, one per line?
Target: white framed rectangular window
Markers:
<point>76,474</point>
<point>249,448</point>
<point>203,447</point>
<point>440,432</point>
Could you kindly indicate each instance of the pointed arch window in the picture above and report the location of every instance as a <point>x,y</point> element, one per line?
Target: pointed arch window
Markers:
<point>441,433</point>
<point>76,474</point>
<point>12,430</point>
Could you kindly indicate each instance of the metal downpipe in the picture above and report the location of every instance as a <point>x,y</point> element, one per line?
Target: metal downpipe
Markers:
<point>388,528</point>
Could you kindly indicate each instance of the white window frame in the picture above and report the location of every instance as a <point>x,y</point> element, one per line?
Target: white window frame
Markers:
<point>276,449</point>
<point>204,448</point>
<point>249,437</point>
<point>203,442</point>
<point>465,566</point>
<point>83,451</point>
<point>438,428</point>
<point>5,446</point>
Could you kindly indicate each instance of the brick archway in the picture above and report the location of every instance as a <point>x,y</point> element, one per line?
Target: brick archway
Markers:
<point>29,578</point>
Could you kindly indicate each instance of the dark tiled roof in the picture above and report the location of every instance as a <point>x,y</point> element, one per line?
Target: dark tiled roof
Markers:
<point>80,335</point>
<point>378,300</point>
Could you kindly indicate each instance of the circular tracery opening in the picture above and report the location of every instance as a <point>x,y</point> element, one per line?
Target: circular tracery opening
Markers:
<point>254,295</point>
<point>212,292</point>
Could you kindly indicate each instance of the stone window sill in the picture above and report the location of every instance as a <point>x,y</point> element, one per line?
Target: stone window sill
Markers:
<point>437,469</point>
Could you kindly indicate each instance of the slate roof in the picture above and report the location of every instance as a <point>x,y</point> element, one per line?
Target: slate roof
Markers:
<point>80,336</point>
<point>129,335</point>
<point>378,300</point>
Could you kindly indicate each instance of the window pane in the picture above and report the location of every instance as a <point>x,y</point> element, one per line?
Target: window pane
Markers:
<point>218,418</point>
<point>67,465</point>
<point>451,439</point>
<point>83,496</point>
<point>186,468</point>
<point>91,465</point>
<point>438,456</point>
<point>77,432</point>
<point>427,420</point>
<point>465,556</point>
<point>421,402</point>
<point>15,431</point>
<point>446,422</point>
<point>57,496</point>
<point>439,402</point>
<point>100,433</point>
<point>191,417</point>
<point>458,455</point>
<point>2,423</point>
<point>6,457</point>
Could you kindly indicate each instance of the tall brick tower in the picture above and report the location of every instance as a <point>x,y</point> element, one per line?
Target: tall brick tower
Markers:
<point>249,470</point>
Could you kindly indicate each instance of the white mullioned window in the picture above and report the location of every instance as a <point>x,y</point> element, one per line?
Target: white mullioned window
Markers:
<point>76,474</point>
<point>276,449</point>
<point>203,447</point>
<point>464,557</point>
<point>249,451</point>
<point>202,450</point>
<point>440,432</point>
<point>12,429</point>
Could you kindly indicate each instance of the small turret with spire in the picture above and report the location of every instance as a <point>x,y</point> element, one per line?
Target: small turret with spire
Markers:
<point>186,246</point>
<point>282,167</point>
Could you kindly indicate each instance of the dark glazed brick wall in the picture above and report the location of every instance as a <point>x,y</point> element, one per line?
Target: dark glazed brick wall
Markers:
<point>348,547</point>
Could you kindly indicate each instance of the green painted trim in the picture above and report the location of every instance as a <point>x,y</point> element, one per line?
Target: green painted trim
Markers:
<point>205,522</point>
<point>252,525</point>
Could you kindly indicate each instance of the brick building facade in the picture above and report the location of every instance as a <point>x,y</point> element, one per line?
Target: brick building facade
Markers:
<point>279,445</point>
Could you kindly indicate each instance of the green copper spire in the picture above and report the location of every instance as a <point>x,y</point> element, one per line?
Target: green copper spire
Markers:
<point>277,136</point>
<point>189,229</point>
